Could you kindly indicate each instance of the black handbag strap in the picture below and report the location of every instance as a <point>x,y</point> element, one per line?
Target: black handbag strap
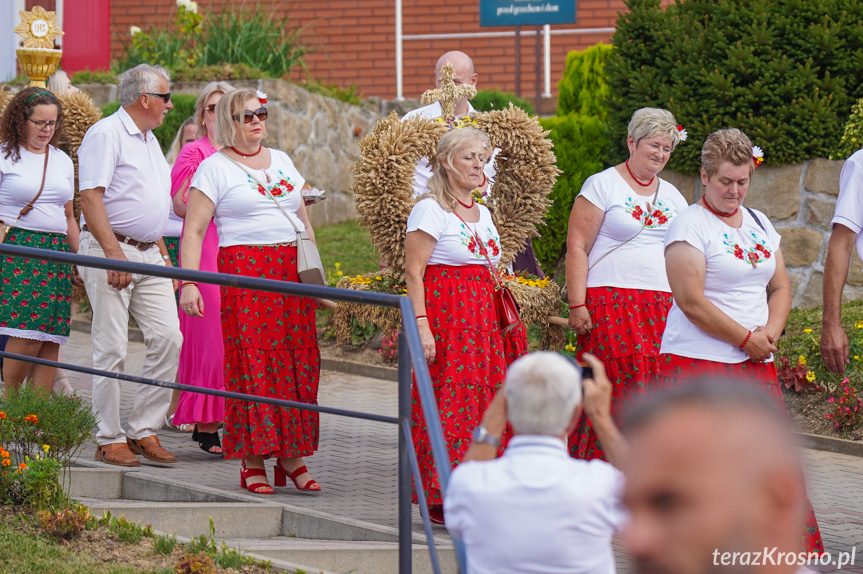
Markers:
<point>758,221</point>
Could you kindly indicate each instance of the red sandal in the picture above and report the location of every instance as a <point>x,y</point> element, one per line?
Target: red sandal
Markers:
<point>280,475</point>
<point>258,487</point>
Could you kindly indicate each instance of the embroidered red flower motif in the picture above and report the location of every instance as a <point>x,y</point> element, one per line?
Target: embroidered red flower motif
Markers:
<point>637,213</point>
<point>753,257</point>
<point>34,316</point>
<point>648,222</point>
<point>738,252</point>
<point>26,281</point>
<point>14,315</point>
<point>471,245</point>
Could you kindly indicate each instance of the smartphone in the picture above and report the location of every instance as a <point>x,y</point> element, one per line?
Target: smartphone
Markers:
<point>586,371</point>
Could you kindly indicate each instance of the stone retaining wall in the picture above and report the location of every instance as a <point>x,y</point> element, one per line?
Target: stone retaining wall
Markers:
<point>319,133</point>
<point>799,199</point>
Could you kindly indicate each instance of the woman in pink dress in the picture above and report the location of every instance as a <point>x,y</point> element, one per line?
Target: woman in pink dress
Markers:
<point>202,355</point>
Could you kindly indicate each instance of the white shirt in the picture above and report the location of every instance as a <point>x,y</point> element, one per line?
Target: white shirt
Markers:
<point>730,282</point>
<point>423,172</point>
<point>244,214</point>
<point>640,263</point>
<point>849,205</point>
<point>19,184</point>
<point>132,169</point>
<point>456,240</point>
<point>536,510</point>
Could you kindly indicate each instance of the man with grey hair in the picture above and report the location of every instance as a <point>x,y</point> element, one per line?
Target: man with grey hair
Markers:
<point>714,483</point>
<point>125,199</point>
<point>535,509</point>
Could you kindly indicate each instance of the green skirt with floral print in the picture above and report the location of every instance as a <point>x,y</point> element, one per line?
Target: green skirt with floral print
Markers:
<point>35,295</point>
<point>173,246</point>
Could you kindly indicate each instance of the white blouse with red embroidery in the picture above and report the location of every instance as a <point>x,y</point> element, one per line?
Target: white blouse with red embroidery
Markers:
<point>740,263</point>
<point>456,241</point>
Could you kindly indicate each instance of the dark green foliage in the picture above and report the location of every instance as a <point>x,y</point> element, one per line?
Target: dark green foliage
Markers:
<point>785,72</point>
<point>184,107</point>
<point>94,77</point>
<point>488,100</point>
<point>583,88</point>
<point>852,137</point>
<point>581,145</point>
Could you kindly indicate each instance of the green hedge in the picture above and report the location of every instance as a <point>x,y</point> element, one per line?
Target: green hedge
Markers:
<point>184,107</point>
<point>581,145</point>
<point>583,88</point>
<point>786,72</point>
<point>488,100</point>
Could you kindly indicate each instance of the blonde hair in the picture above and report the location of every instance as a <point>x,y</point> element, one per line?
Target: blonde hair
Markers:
<point>653,122</point>
<point>729,145</point>
<point>232,104</point>
<point>448,146</point>
<point>201,104</point>
<point>58,83</point>
<point>177,144</point>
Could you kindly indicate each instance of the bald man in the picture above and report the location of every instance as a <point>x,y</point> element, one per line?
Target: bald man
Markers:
<point>713,483</point>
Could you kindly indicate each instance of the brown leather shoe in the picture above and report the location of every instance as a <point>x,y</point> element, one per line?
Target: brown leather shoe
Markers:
<point>151,449</point>
<point>117,453</point>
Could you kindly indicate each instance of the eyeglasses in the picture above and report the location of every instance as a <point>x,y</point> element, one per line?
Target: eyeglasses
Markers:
<point>166,97</point>
<point>211,108</point>
<point>41,125</point>
<point>261,113</point>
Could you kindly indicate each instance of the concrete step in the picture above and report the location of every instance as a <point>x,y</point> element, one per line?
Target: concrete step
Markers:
<point>353,557</point>
<point>191,519</point>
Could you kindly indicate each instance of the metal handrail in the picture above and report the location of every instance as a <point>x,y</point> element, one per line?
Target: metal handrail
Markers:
<point>409,341</point>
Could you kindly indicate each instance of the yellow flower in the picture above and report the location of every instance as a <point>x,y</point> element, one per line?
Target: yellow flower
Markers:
<point>807,331</point>
<point>570,348</point>
<point>338,265</point>
<point>46,448</point>
<point>378,277</point>
<point>810,376</point>
<point>858,325</point>
<point>801,360</point>
<point>856,357</point>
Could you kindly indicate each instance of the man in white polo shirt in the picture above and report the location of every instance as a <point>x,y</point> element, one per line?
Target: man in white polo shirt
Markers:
<point>536,510</point>
<point>847,231</point>
<point>125,200</point>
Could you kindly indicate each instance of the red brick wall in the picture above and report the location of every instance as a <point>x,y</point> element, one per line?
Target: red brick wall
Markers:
<point>355,39</point>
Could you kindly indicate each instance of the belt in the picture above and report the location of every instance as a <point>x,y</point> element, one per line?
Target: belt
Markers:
<point>140,245</point>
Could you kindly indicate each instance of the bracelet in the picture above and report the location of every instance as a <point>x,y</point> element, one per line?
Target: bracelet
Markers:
<point>571,307</point>
<point>187,283</point>
<point>746,340</point>
<point>426,317</point>
<point>166,257</point>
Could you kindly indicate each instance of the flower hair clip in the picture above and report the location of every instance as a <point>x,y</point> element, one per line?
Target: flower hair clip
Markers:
<point>261,96</point>
<point>682,133</point>
<point>757,155</point>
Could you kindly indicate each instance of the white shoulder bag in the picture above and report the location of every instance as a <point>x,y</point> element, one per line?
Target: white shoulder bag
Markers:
<point>309,266</point>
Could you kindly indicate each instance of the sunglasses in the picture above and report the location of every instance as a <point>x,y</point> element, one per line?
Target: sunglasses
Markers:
<point>166,97</point>
<point>211,108</point>
<point>261,113</point>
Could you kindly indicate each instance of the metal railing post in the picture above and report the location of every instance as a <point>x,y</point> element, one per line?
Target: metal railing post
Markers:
<point>404,401</point>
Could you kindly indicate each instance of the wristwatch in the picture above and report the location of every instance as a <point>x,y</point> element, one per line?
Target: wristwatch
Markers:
<point>483,436</point>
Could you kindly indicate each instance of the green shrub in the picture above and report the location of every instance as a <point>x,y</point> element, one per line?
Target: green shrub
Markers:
<point>583,87</point>
<point>580,144</point>
<point>94,77</point>
<point>488,100</point>
<point>184,108</point>
<point>350,95</point>
<point>227,72</point>
<point>852,136</point>
<point>784,72</point>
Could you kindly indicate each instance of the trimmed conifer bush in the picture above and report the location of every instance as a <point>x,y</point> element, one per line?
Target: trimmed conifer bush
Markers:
<point>784,71</point>
<point>583,88</point>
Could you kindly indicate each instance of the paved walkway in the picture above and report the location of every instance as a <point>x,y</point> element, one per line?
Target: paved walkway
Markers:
<point>357,460</point>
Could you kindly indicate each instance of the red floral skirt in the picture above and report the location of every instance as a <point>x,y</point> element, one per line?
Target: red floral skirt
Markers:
<point>271,350</point>
<point>470,363</point>
<point>627,332</point>
<point>675,369</point>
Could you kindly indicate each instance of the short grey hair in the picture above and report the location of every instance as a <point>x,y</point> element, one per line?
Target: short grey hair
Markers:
<point>542,392</point>
<point>654,122</point>
<point>141,79</point>
<point>201,103</point>
<point>232,103</point>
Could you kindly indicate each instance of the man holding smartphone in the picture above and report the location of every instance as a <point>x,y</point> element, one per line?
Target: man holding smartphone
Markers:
<point>535,509</point>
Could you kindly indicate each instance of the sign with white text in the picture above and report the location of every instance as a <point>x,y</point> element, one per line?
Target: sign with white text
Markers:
<point>525,12</point>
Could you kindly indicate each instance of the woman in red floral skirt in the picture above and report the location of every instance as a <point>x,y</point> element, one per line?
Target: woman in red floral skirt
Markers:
<point>450,242</point>
<point>731,292</point>
<point>270,339</point>
<point>615,269</point>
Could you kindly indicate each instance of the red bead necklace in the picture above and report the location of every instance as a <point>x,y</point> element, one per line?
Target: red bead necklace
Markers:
<point>238,152</point>
<point>465,205</point>
<point>636,179</point>
<point>718,213</point>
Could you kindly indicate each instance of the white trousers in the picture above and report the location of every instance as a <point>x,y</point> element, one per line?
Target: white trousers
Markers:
<point>151,302</point>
